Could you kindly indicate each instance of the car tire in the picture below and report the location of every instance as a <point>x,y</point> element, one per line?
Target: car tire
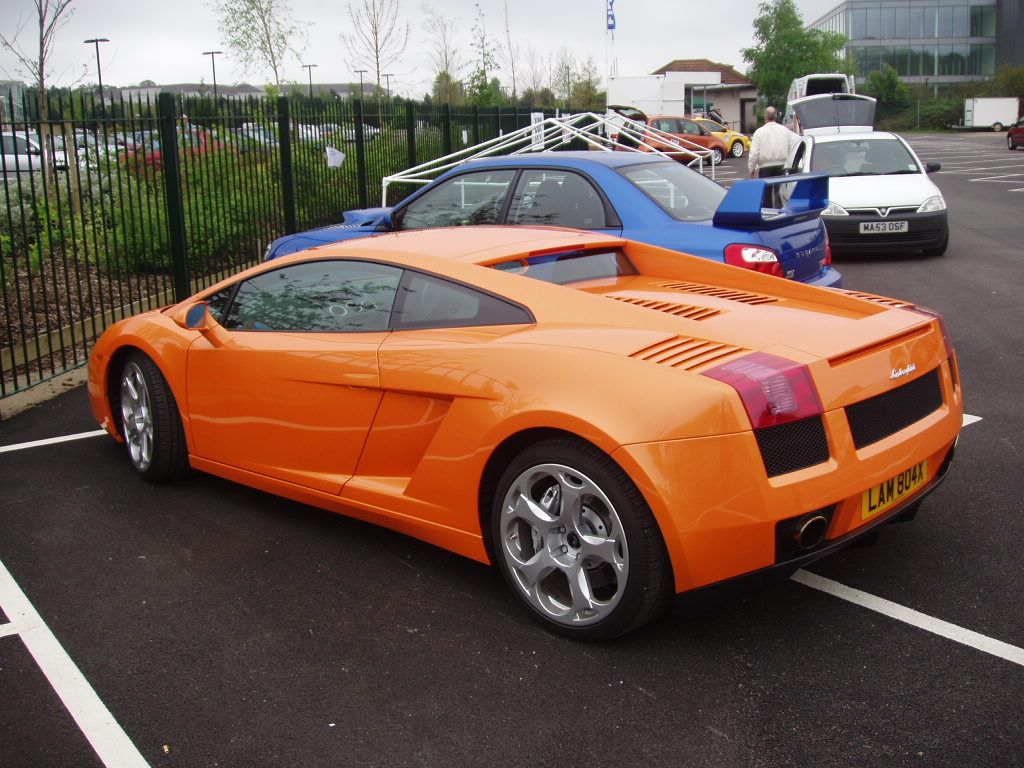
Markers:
<point>150,422</point>
<point>939,249</point>
<point>716,156</point>
<point>577,543</point>
<point>1010,145</point>
<point>737,149</point>
<point>997,127</point>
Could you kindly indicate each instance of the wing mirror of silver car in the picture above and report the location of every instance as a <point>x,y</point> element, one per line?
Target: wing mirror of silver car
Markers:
<point>932,167</point>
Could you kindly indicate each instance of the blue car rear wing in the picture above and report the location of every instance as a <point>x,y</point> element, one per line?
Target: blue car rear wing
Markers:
<point>755,203</point>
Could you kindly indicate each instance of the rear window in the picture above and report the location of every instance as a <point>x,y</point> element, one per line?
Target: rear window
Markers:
<point>571,266</point>
<point>681,192</point>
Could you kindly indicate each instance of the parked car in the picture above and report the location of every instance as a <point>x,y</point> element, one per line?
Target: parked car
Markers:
<point>23,153</point>
<point>685,128</point>
<point>737,144</point>
<point>636,195</point>
<point>906,212</point>
<point>609,422</point>
<point>1015,135</point>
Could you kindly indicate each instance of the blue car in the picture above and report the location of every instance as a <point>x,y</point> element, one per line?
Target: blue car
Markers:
<point>636,195</point>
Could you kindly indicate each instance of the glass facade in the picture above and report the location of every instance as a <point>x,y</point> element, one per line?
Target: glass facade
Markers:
<point>918,38</point>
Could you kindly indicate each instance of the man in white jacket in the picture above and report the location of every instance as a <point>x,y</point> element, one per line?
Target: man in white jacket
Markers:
<point>770,146</point>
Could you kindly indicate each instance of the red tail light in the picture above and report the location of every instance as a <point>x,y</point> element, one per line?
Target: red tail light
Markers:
<point>773,390</point>
<point>828,252</point>
<point>755,257</point>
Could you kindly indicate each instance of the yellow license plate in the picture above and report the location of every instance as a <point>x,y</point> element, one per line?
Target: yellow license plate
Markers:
<point>884,495</point>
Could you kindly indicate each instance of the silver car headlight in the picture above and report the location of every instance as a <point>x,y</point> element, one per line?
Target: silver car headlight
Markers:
<point>932,204</point>
<point>834,209</point>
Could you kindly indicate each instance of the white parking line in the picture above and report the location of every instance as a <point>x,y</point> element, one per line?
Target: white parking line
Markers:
<point>108,739</point>
<point>917,619</point>
<point>52,441</point>
<point>968,419</point>
<point>8,629</point>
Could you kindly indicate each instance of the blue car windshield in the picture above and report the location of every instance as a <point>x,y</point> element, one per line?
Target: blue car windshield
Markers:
<point>681,192</point>
<point>571,266</point>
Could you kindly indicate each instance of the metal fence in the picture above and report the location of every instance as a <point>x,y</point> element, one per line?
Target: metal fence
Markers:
<point>107,210</point>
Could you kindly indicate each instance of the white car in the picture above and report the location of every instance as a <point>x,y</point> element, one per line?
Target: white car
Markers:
<point>22,153</point>
<point>880,196</point>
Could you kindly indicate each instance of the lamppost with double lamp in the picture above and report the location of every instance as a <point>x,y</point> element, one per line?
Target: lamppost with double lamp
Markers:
<point>213,63</point>
<point>99,74</point>
<point>361,72</point>
<point>387,82</point>
<point>309,68</point>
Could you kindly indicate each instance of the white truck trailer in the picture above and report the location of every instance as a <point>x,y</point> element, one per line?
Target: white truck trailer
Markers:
<point>994,114</point>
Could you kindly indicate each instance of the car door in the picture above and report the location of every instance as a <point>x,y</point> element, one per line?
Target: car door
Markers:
<point>288,389</point>
<point>691,131</point>
<point>20,155</point>
<point>476,197</point>
<point>559,197</point>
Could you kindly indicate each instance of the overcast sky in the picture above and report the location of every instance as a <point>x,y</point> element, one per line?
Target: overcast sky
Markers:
<point>164,42</point>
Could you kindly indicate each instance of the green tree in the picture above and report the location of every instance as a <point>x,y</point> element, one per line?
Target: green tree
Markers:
<point>480,86</point>
<point>886,86</point>
<point>448,90</point>
<point>537,97</point>
<point>586,94</point>
<point>784,50</point>
<point>259,32</point>
<point>1009,81</point>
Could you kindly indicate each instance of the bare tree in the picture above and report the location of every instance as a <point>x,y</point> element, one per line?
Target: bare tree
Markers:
<point>564,75</point>
<point>446,56</point>
<point>51,15</point>
<point>259,32</point>
<point>536,70</point>
<point>377,38</point>
<point>510,53</point>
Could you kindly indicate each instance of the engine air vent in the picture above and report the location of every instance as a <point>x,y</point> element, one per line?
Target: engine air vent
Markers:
<point>720,293</point>
<point>895,303</point>
<point>688,311</point>
<point>688,354</point>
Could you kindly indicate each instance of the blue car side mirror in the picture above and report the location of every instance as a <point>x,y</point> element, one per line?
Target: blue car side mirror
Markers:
<point>386,223</point>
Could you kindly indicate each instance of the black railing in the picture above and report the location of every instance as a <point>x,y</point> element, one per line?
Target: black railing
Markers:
<point>107,210</point>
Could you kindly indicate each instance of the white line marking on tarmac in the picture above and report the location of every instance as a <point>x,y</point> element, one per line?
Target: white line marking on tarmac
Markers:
<point>52,441</point>
<point>8,629</point>
<point>915,618</point>
<point>969,419</point>
<point>108,739</point>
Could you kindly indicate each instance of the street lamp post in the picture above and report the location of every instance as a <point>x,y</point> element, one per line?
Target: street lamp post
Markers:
<point>213,63</point>
<point>361,72</point>
<point>387,81</point>
<point>99,74</point>
<point>309,68</point>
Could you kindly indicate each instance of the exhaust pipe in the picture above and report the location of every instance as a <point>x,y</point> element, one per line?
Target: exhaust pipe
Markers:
<point>811,532</point>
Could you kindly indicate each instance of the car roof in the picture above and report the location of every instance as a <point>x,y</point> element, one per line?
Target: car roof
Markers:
<point>472,245</point>
<point>577,159</point>
<point>821,138</point>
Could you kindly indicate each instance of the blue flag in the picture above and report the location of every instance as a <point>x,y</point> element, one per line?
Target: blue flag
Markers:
<point>611,14</point>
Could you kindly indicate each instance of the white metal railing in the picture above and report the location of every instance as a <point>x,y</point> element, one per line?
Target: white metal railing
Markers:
<point>594,129</point>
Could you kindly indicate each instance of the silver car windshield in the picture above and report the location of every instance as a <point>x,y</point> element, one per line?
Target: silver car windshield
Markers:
<point>863,157</point>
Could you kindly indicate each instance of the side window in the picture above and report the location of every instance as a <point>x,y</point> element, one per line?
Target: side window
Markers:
<point>690,128</point>
<point>432,302</point>
<point>666,125</point>
<point>8,144</point>
<point>470,198</point>
<point>556,198</point>
<point>219,302</point>
<point>317,296</point>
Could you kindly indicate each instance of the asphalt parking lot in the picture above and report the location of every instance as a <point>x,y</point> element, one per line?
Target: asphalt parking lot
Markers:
<point>206,624</point>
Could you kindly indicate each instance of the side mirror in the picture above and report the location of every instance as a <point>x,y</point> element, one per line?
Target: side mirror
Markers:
<point>386,223</point>
<point>932,167</point>
<point>194,317</point>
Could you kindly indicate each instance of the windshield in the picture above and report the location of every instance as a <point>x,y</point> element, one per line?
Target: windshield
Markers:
<point>863,157</point>
<point>681,192</point>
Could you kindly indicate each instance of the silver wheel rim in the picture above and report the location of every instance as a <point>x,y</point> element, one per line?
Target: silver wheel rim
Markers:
<point>716,156</point>
<point>737,149</point>
<point>137,417</point>
<point>564,545</point>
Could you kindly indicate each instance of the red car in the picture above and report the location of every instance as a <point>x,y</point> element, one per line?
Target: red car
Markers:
<point>688,130</point>
<point>1015,135</point>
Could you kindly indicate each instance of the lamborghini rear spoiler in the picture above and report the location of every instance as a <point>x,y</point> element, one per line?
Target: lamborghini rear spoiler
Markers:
<point>749,204</point>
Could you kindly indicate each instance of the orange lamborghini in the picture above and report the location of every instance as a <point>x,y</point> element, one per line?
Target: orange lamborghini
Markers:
<point>609,422</point>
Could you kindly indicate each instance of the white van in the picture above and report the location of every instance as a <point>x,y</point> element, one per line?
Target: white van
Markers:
<point>812,85</point>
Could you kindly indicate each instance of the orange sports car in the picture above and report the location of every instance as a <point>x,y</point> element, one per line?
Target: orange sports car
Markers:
<point>609,422</point>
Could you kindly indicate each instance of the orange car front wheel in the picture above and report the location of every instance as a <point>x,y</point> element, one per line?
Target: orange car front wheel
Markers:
<point>577,542</point>
<point>150,422</point>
